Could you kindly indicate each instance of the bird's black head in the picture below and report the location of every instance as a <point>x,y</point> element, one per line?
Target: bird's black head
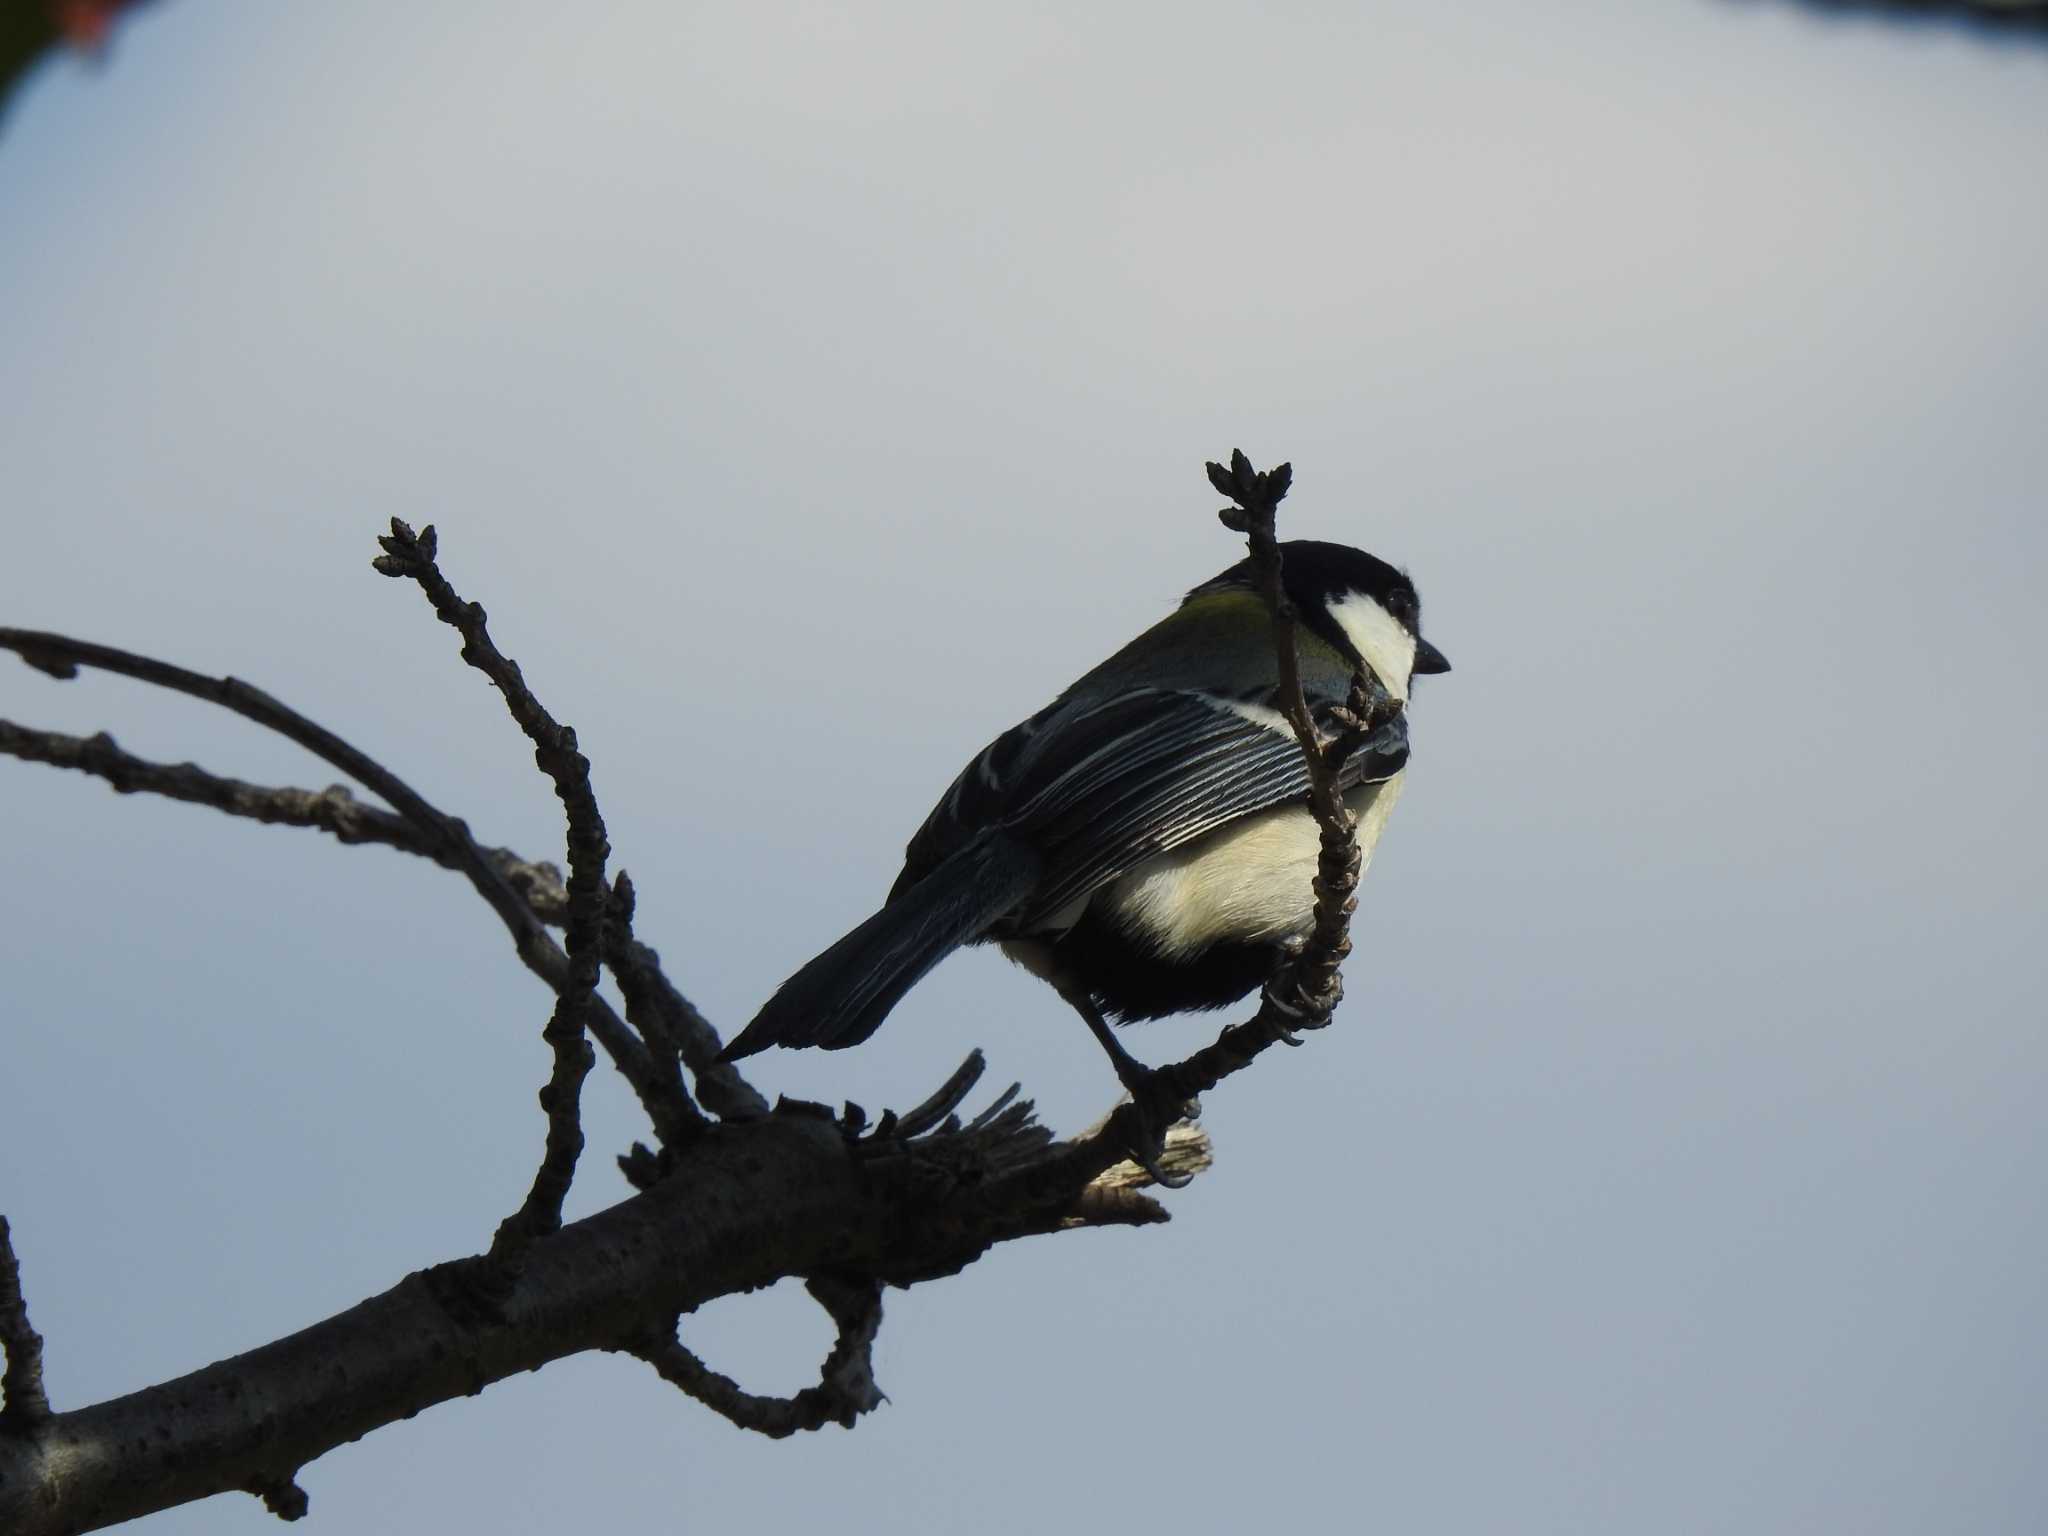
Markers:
<point>1357,602</point>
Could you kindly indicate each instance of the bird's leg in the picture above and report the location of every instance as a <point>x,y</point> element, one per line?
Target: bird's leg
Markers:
<point>1157,1105</point>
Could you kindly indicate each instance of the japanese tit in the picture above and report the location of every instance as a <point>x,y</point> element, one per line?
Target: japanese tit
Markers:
<point>1142,843</point>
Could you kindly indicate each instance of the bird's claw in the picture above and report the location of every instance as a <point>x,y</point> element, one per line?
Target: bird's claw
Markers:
<point>1300,1017</point>
<point>1156,1108</point>
<point>1159,1175</point>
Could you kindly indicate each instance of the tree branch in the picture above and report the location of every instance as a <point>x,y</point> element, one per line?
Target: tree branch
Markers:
<point>2022,21</point>
<point>723,1209</point>
<point>749,1204</point>
<point>332,810</point>
<point>24,1406</point>
<point>653,1005</point>
<point>1313,980</point>
<point>412,556</point>
<point>670,1020</point>
<point>445,839</point>
<point>1310,986</point>
<point>846,1382</point>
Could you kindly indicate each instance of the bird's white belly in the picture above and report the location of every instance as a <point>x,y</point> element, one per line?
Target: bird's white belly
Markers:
<point>1250,881</point>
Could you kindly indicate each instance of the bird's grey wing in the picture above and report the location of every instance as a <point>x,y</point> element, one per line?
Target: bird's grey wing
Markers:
<point>978,799</point>
<point>1100,791</point>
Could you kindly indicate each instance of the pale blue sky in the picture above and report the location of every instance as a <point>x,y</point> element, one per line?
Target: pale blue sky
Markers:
<point>809,392</point>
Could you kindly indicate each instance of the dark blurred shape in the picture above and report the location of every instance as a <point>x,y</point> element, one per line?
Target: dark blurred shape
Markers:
<point>29,29</point>
<point>2019,21</point>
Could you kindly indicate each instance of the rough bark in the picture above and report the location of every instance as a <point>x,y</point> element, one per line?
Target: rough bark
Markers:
<point>748,1205</point>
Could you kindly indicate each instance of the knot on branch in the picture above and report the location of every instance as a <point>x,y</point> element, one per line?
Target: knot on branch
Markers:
<point>282,1496</point>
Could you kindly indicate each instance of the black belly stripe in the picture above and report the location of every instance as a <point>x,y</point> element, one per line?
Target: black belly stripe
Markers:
<point>1128,982</point>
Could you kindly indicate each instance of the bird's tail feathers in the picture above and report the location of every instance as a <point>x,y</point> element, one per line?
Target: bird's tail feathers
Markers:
<point>842,995</point>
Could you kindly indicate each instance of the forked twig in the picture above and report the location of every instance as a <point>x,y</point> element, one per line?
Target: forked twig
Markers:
<point>438,836</point>
<point>653,1003</point>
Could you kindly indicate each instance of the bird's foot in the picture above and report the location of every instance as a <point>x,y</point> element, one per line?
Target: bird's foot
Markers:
<point>1296,1015</point>
<point>1284,1000</point>
<point>1157,1106</point>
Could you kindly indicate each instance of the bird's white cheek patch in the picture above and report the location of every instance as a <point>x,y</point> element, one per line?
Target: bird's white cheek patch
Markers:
<point>1380,637</point>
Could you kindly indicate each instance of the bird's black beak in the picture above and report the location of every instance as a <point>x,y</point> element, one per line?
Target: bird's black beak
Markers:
<point>1428,659</point>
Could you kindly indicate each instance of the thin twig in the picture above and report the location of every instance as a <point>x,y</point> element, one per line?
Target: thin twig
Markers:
<point>669,1020</point>
<point>1311,984</point>
<point>24,1405</point>
<point>1255,500</point>
<point>1313,979</point>
<point>846,1382</point>
<point>412,556</point>
<point>333,810</point>
<point>650,995</point>
<point>61,657</point>
<point>642,1009</point>
<point>443,838</point>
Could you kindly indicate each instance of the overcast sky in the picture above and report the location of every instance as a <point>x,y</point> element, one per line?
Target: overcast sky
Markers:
<point>809,393</point>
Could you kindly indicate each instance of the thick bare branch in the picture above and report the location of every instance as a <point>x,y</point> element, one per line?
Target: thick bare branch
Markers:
<point>748,1204</point>
<point>24,1406</point>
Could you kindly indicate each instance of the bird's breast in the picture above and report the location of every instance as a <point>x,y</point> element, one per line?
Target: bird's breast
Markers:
<point>1250,881</point>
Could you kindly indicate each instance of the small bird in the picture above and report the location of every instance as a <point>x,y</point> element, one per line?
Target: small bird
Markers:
<point>1143,842</point>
